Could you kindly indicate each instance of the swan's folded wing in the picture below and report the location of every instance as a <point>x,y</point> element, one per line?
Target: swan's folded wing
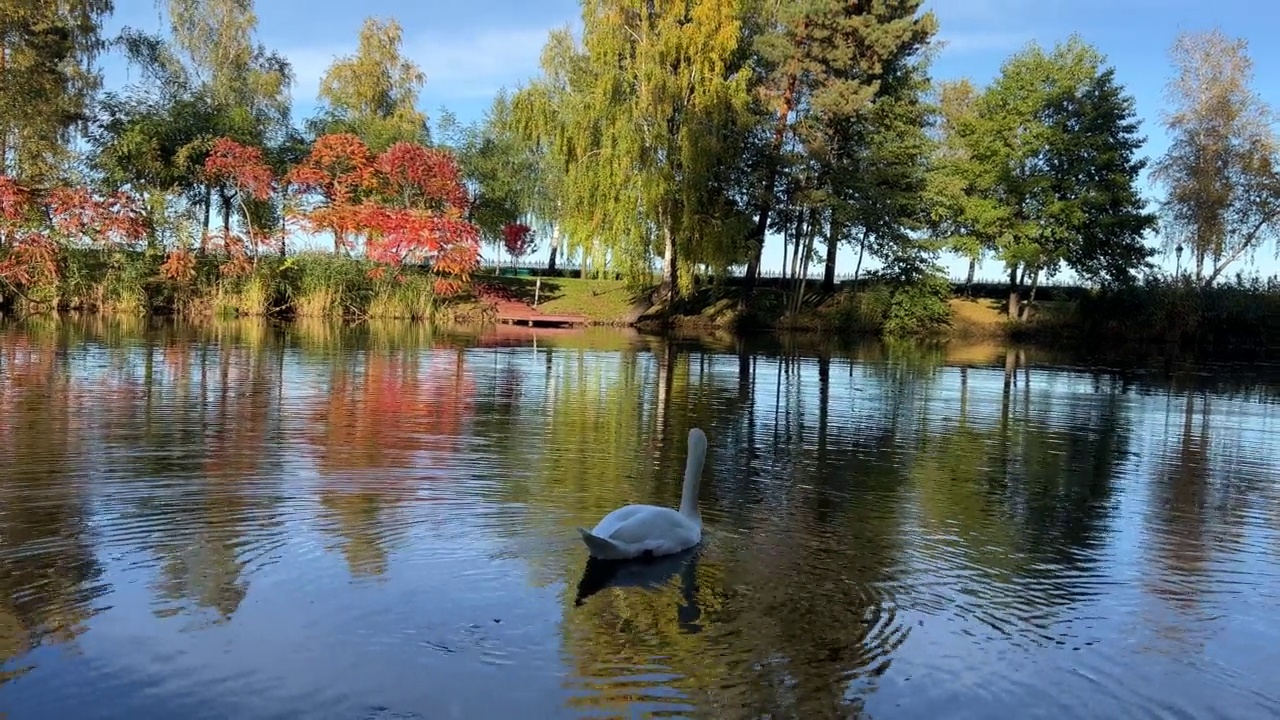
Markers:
<point>656,529</point>
<point>609,524</point>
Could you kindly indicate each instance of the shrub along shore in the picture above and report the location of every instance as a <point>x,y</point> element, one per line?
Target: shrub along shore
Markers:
<point>307,284</point>
<point>1238,315</point>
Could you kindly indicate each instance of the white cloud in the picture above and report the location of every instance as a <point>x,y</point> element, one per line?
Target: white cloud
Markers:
<point>461,65</point>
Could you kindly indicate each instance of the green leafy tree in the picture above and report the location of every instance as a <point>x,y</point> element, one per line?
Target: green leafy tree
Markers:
<point>501,170</point>
<point>653,101</point>
<point>48,79</point>
<point>373,94</point>
<point>550,117</point>
<point>877,168</point>
<point>821,65</point>
<point>210,79</point>
<point>1041,170</point>
<point>960,213</point>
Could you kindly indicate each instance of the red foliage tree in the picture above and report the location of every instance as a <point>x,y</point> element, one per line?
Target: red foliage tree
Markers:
<point>34,229</point>
<point>422,178</point>
<point>396,236</point>
<point>241,167</point>
<point>29,257</point>
<point>338,170</point>
<point>113,221</point>
<point>424,216</point>
<point>31,260</point>
<point>15,200</point>
<point>408,203</point>
<point>242,172</point>
<point>518,239</point>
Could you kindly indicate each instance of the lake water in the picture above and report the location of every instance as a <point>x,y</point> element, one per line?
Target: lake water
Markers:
<point>256,521</point>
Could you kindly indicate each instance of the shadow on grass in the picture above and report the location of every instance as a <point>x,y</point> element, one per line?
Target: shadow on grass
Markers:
<point>518,289</point>
<point>527,289</point>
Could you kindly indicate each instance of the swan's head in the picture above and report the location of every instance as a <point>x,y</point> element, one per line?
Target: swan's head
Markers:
<point>697,442</point>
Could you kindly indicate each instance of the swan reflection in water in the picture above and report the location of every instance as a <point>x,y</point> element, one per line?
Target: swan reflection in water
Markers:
<point>648,574</point>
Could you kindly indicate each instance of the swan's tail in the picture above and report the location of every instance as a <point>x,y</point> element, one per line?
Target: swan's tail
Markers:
<point>602,548</point>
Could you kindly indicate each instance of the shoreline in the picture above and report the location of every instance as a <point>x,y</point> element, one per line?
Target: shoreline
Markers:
<point>1160,315</point>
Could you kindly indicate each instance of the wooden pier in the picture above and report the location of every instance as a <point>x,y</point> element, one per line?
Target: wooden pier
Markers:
<point>517,313</point>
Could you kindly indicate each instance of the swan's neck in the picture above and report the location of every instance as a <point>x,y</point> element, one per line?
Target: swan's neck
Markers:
<point>693,477</point>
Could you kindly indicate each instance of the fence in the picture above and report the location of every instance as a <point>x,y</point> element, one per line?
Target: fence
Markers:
<point>769,276</point>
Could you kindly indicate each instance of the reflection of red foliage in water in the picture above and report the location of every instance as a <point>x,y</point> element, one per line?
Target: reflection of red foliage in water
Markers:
<point>33,374</point>
<point>384,414</point>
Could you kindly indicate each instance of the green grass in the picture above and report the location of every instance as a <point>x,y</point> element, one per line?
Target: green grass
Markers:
<point>602,302</point>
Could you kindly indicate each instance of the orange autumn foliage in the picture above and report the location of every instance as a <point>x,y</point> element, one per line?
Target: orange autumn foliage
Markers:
<point>34,226</point>
<point>405,206</point>
<point>409,203</point>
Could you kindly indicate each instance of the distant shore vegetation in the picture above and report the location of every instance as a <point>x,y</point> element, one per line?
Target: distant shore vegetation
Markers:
<point>657,152</point>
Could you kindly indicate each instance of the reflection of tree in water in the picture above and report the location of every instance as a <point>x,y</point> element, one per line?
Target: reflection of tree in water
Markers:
<point>358,518</point>
<point>1022,498</point>
<point>1182,552</point>
<point>48,570</point>
<point>811,479</point>
<point>204,413</point>
<point>1067,451</point>
<point>384,411</point>
<point>388,413</point>
<point>789,599</point>
<point>1201,494</point>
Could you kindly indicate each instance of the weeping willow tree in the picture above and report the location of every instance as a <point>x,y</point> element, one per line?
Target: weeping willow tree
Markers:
<point>543,115</point>
<point>645,120</point>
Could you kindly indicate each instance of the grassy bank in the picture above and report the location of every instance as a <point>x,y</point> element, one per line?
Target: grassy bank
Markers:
<point>601,302</point>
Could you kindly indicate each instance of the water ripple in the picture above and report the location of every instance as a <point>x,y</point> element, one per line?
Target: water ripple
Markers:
<point>254,520</point>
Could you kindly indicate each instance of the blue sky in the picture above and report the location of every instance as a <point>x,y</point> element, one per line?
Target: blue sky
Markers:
<point>470,50</point>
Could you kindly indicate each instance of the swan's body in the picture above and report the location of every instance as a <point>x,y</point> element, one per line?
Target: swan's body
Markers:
<point>633,531</point>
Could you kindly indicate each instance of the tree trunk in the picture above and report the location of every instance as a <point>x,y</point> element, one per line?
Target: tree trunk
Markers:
<point>809,231</point>
<point>968,280</point>
<point>555,248</point>
<point>771,181</point>
<point>226,215</point>
<point>668,289</point>
<point>795,251</point>
<point>1015,299</point>
<point>204,225</point>
<point>4,129</point>
<point>862,248</point>
<point>833,247</point>
<point>1031,295</point>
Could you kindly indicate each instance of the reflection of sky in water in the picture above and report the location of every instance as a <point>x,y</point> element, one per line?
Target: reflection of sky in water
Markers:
<point>473,614</point>
<point>291,648</point>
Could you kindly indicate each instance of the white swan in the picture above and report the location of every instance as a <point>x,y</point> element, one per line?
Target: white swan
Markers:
<point>635,530</point>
